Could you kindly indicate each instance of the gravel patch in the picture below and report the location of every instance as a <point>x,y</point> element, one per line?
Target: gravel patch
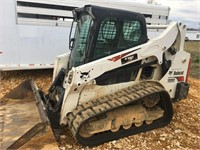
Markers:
<point>182,133</point>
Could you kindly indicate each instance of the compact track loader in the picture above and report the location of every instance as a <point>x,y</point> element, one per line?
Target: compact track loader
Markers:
<point>115,82</point>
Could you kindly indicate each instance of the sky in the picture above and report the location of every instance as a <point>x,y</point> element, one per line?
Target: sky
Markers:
<point>186,11</point>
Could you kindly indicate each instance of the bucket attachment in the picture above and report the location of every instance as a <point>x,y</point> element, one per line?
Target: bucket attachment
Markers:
<point>22,91</point>
<point>20,121</point>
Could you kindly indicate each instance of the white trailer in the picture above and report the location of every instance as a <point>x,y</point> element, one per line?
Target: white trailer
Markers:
<point>192,35</point>
<point>34,32</point>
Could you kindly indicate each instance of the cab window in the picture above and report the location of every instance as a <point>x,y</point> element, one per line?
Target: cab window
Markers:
<point>116,35</point>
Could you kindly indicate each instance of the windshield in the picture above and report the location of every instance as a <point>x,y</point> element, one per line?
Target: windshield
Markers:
<point>77,56</point>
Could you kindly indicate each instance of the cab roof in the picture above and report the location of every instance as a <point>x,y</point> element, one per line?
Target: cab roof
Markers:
<point>98,12</point>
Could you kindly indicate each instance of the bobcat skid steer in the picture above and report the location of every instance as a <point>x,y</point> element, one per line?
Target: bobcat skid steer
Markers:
<point>115,82</point>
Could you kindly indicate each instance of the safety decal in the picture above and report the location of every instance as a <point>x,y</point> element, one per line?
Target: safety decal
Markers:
<point>118,57</point>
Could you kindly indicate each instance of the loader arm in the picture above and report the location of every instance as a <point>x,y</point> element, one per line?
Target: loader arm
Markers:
<point>82,75</point>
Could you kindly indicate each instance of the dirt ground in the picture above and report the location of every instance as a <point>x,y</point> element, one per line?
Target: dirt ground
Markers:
<point>182,133</point>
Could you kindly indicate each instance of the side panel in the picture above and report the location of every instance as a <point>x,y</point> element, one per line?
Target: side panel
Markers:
<point>176,73</point>
<point>41,44</point>
<point>60,62</point>
<point>1,31</point>
<point>28,46</point>
<point>9,34</point>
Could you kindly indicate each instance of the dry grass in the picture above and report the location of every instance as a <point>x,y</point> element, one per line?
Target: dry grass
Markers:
<point>194,49</point>
<point>192,46</point>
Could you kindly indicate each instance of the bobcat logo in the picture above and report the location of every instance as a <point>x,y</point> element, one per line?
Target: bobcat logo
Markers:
<point>170,73</point>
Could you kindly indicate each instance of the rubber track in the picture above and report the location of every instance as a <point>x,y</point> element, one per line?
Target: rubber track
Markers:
<point>102,105</point>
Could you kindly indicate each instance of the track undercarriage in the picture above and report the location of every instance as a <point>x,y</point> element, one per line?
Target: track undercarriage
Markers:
<point>132,110</point>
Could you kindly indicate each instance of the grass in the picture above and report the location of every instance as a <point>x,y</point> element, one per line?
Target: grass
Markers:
<point>193,47</point>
